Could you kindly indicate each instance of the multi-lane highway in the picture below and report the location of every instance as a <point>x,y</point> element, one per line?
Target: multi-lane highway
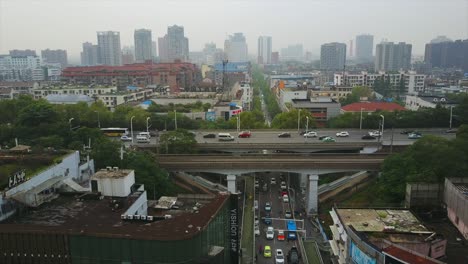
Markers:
<point>277,213</point>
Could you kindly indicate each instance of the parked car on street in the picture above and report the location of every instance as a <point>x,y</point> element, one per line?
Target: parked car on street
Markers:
<point>342,134</point>
<point>284,135</point>
<point>245,134</point>
<point>257,230</point>
<point>211,135</point>
<point>310,134</point>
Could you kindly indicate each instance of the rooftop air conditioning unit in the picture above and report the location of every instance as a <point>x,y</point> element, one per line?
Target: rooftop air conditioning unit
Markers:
<point>130,217</point>
<point>123,217</point>
<point>136,217</point>
<point>443,99</point>
<point>435,100</point>
<point>149,218</point>
<point>116,168</point>
<point>143,217</point>
<point>108,168</point>
<point>167,216</point>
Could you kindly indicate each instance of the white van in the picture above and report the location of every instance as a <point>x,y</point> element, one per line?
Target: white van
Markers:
<point>142,139</point>
<point>146,134</point>
<point>225,137</point>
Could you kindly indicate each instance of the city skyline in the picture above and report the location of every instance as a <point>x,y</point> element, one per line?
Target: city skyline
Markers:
<point>339,27</point>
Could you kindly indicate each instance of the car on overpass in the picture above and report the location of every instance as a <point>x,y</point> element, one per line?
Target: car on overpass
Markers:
<point>245,134</point>
<point>310,134</point>
<point>375,133</point>
<point>225,137</point>
<point>368,137</point>
<point>342,134</point>
<point>451,130</point>
<point>125,138</point>
<point>406,132</point>
<point>284,135</point>
<point>415,135</point>
<point>210,135</point>
<point>328,139</point>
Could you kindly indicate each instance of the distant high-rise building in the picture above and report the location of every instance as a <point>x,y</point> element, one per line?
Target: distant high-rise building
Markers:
<point>143,45</point>
<point>264,50</point>
<point>448,54</point>
<point>364,47</point>
<point>212,54</point>
<point>275,57</point>
<point>236,48</point>
<point>22,53</point>
<point>332,56</point>
<point>292,53</point>
<point>351,48</point>
<point>109,48</point>
<point>154,50</point>
<point>392,57</point>
<point>128,56</point>
<point>174,45</point>
<point>55,56</point>
<point>440,39</point>
<point>90,54</point>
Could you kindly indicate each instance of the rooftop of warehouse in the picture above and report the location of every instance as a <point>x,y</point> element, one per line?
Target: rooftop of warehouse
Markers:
<point>381,220</point>
<point>95,217</point>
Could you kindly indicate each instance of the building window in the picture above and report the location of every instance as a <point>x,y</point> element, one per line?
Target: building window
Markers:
<point>456,220</point>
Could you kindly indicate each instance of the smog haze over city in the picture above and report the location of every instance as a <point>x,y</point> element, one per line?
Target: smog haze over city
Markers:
<point>57,24</point>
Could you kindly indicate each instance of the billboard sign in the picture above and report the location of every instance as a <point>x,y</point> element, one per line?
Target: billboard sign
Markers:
<point>358,256</point>
<point>210,116</point>
<point>234,228</point>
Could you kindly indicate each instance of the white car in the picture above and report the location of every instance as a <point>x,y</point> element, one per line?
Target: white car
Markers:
<point>279,257</point>
<point>273,181</point>
<point>257,230</point>
<point>285,198</point>
<point>283,185</point>
<point>342,134</point>
<point>310,134</point>
<point>256,221</point>
<point>375,133</point>
<point>270,233</point>
<point>125,138</point>
<point>288,214</point>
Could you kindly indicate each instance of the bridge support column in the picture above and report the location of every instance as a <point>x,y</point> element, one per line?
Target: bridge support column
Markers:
<point>303,180</point>
<point>231,183</point>
<point>312,194</point>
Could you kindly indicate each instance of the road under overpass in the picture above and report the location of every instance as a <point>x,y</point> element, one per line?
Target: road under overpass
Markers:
<point>307,166</point>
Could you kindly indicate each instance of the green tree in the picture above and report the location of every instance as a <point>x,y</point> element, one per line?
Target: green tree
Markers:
<point>355,96</point>
<point>288,120</point>
<point>156,180</point>
<point>37,112</point>
<point>178,142</point>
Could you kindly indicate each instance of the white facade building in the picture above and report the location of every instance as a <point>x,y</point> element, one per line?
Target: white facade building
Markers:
<point>287,95</point>
<point>21,68</point>
<point>113,182</point>
<point>236,48</point>
<point>413,102</point>
<point>414,83</point>
<point>264,50</point>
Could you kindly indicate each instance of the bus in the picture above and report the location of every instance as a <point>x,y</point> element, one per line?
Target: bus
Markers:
<point>114,131</point>
<point>292,230</point>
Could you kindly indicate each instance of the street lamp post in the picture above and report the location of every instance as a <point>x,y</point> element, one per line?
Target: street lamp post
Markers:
<point>383,120</point>
<point>298,120</point>
<point>175,118</point>
<point>451,110</point>
<point>69,123</point>
<point>360,120</point>
<point>307,129</point>
<point>147,127</point>
<point>98,119</point>
<point>131,126</point>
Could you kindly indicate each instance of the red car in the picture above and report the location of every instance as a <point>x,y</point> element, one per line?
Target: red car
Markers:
<point>245,134</point>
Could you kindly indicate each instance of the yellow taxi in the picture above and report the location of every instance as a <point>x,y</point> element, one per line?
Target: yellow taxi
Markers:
<point>267,252</point>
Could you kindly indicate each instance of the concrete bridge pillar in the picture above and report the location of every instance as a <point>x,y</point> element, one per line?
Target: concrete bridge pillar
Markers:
<point>303,180</point>
<point>231,183</point>
<point>312,194</point>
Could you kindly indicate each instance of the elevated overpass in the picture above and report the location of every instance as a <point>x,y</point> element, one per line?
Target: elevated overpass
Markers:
<point>308,166</point>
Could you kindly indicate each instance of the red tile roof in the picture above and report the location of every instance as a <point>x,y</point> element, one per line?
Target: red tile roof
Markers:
<point>409,257</point>
<point>372,107</point>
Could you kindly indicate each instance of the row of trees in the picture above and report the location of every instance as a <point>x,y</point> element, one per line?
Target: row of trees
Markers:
<point>430,159</point>
<point>268,96</point>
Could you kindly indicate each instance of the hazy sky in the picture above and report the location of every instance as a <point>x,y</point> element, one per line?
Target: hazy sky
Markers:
<point>66,24</point>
